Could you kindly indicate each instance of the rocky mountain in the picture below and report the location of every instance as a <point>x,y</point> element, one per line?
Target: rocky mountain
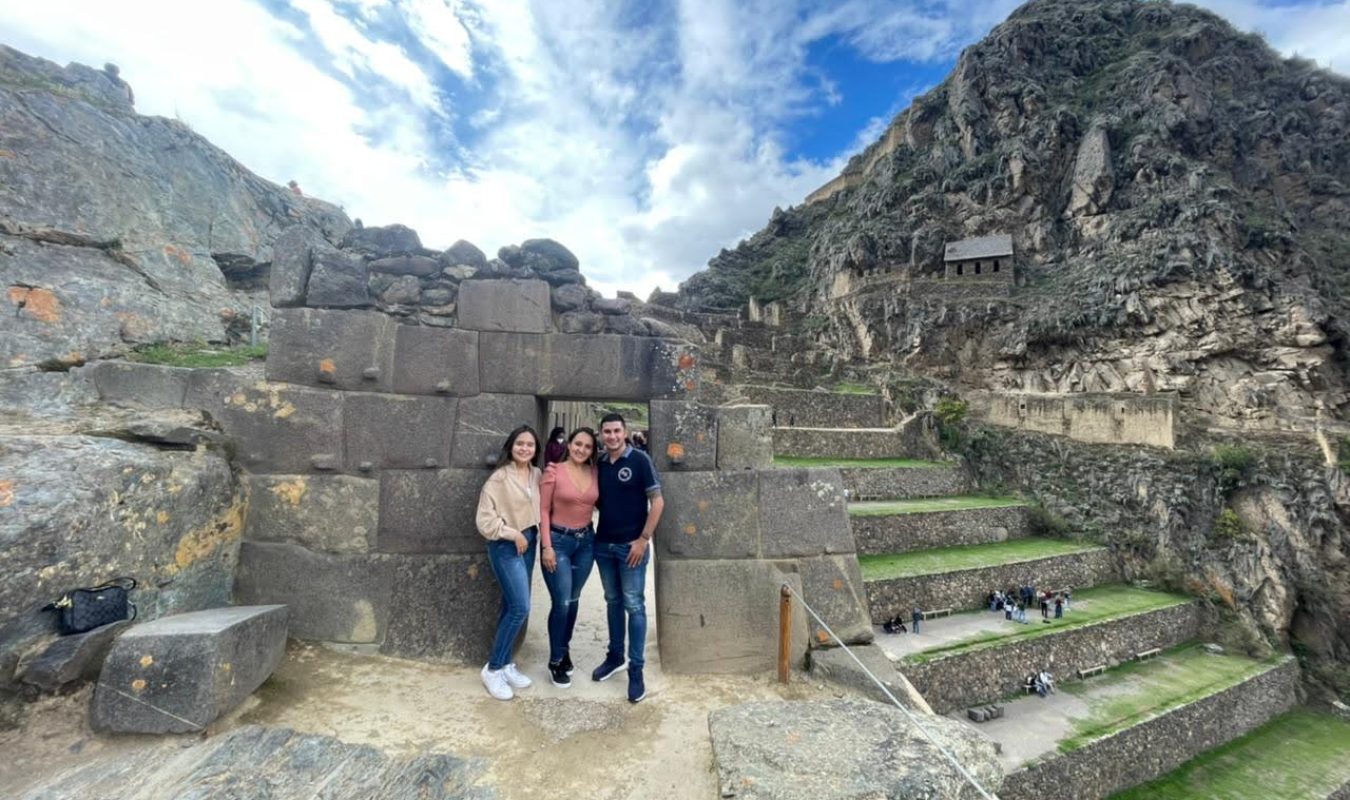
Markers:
<point>1176,194</point>
<point>118,229</point>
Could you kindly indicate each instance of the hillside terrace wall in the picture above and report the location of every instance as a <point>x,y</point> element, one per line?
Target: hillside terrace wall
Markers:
<point>968,588</point>
<point>986,675</point>
<point>903,483</point>
<point>905,441</point>
<point>819,409</point>
<point>1158,745</point>
<point>1099,418</point>
<point>902,533</point>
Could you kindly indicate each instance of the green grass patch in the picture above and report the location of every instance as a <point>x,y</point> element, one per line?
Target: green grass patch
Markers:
<point>846,387</point>
<point>881,508</point>
<point>1146,688</point>
<point>949,559</point>
<point>198,354</point>
<point>1300,754</point>
<point>857,463</point>
<point>1090,607</point>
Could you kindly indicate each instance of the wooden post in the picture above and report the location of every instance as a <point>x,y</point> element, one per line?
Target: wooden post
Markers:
<point>784,632</point>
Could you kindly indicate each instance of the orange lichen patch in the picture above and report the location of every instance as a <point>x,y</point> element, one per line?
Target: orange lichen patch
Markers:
<point>6,493</point>
<point>822,636</point>
<point>691,529</point>
<point>39,304</point>
<point>8,154</point>
<point>138,685</point>
<point>291,492</point>
<point>206,541</point>
<point>327,366</point>
<point>675,450</point>
<point>703,505</point>
<point>838,584</point>
<point>473,570</point>
<point>174,251</point>
<point>690,386</point>
<point>287,408</point>
<point>162,517</point>
<point>686,361</point>
<point>147,660</point>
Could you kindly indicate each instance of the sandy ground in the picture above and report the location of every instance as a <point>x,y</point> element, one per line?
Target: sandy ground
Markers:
<point>584,741</point>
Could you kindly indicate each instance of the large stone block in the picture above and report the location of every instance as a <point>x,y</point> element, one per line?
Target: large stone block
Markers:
<point>744,437</point>
<point>398,432</point>
<point>426,511</point>
<point>334,349</point>
<point>504,305</point>
<point>483,423</point>
<point>291,262</point>
<point>447,608</point>
<point>337,279</point>
<point>70,659</point>
<point>326,513</point>
<point>179,673</point>
<point>833,586</point>
<point>332,598</point>
<point>581,366</point>
<point>144,385</point>
<point>806,514</point>
<point>709,515</point>
<point>274,427</point>
<point>683,435</point>
<point>722,616</point>
<point>435,361</point>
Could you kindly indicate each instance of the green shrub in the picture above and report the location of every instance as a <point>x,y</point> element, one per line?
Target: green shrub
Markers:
<point>1231,463</point>
<point>1228,525</point>
<point>949,412</point>
<point>1044,522</point>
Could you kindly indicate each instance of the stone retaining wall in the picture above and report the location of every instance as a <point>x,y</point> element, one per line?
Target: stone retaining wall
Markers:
<point>1158,745</point>
<point>902,533</point>
<point>903,483</point>
<point>903,442</point>
<point>983,676</point>
<point>1102,418</point>
<point>805,408</point>
<point>968,588</point>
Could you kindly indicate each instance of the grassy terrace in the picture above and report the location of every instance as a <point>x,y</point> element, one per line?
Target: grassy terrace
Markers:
<point>857,463</point>
<point>1090,607</point>
<point>882,508</point>
<point>950,559</point>
<point>198,354</point>
<point>1131,693</point>
<point>1300,754</point>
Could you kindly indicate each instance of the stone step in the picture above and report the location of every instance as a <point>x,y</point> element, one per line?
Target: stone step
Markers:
<point>980,657</point>
<point>1137,722</point>
<point>848,442</point>
<point>962,577</point>
<point>902,526</point>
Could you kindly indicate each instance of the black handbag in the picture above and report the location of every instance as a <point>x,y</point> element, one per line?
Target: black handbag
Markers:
<point>81,610</point>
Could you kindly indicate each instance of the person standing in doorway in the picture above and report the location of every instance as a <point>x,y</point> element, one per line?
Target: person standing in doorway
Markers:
<point>556,449</point>
<point>508,517</point>
<point>630,507</point>
<point>567,496</point>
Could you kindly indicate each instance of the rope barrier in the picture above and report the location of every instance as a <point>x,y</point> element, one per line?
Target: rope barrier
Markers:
<point>908,714</point>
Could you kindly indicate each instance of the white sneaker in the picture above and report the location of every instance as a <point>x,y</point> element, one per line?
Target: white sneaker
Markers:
<point>496,682</point>
<point>516,678</point>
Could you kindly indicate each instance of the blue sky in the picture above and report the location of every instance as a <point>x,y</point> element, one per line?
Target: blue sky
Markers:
<point>645,136</point>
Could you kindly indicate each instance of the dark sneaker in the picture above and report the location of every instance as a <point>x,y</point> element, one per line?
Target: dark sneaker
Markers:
<point>606,670</point>
<point>567,663</point>
<point>636,688</point>
<point>558,674</point>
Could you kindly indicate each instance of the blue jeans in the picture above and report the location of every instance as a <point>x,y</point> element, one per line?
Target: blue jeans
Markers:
<point>625,594</point>
<point>575,550</point>
<point>514,572</point>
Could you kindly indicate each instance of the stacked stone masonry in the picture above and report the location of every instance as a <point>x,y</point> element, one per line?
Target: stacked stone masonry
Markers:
<point>904,483</point>
<point>966,589</point>
<point>847,443</point>
<point>819,409</point>
<point>991,673</point>
<point>902,533</point>
<point>1097,418</point>
<point>1158,745</point>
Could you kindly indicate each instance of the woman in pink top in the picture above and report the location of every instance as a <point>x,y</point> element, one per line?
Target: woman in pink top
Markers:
<point>568,493</point>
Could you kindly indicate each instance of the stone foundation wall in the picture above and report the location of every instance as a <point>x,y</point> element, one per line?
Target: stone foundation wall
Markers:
<point>903,483</point>
<point>901,533</point>
<point>800,408</point>
<point>967,589</point>
<point>1158,745</point>
<point>904,442</point>
<point>984,676</point>
<point>1096,418</point>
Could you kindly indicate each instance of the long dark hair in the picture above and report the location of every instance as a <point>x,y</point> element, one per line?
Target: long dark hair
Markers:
<point>504,457</point>
<point>595,443</point>
<point>556,432</point>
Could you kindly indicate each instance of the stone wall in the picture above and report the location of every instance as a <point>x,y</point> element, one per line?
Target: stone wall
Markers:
<point>1088,417</point>
<point>961,289</point>
<point>901,533</point>
<point>906,441</point>
<point>819,409</point>
<point>902,483</point>
<point>986,675</point>
<point>968,588</point>
<point>1158,745</point>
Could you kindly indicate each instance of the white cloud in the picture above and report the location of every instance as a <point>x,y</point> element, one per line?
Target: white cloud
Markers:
<point>644,145</point>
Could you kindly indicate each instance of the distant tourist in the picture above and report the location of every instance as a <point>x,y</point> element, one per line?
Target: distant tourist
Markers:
<point>568,493</point>
<point>1022,613</point>
<point>916,618</point>
<point>508,517</point>
<point>556,449</point>
<point>1059,607</point>
<point>630,507</point>
<point>640,441</point>
<point>1045,608</point>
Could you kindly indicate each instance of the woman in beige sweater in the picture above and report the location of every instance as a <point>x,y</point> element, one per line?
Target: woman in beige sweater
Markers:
<point>508,517</point>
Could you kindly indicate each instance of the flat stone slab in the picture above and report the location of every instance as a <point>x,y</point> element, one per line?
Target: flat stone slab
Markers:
<point>70,659</point>
<point>843,749</point>
<point>837,667</point>
<point>179,673</point>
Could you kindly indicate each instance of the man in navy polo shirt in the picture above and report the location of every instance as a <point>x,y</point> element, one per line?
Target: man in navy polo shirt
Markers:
<point>630,507</point>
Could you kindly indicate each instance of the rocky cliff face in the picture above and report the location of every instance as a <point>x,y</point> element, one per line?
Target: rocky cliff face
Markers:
<point>118,229</point>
